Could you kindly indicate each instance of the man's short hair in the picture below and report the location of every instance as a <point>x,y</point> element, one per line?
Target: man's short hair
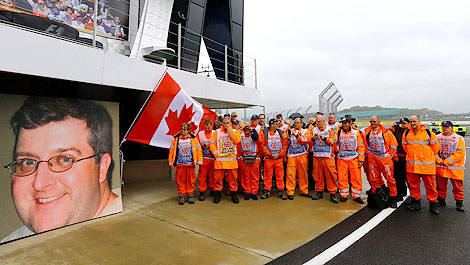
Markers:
<point>206,122</point>
<point>39,111</point>
<point>278,116</point>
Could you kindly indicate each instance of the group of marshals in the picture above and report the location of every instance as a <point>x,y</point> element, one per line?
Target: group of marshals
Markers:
<point>235,152</point>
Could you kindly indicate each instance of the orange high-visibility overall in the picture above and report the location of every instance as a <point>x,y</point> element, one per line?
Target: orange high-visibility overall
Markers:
<point>381,146</point>
<point>185,154</point>
<point>206,170</point>
<point>350,152</point>
<point>223,147</point>
<point>249,171</point>
<point>324,166</point>
<point>275,143</point>
<point>451,165</point>
<point>297,161</point>
<point>421,153</point>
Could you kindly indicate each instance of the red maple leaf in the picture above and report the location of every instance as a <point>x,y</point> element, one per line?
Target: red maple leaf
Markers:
<point>174,121</point>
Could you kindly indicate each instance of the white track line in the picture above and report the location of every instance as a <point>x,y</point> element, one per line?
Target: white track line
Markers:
<point>346,242</point>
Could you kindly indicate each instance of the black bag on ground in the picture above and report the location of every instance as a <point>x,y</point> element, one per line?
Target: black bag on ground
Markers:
<point>380,199</point>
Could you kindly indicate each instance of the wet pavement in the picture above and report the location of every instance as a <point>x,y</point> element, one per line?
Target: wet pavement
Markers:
<point>154,229</point>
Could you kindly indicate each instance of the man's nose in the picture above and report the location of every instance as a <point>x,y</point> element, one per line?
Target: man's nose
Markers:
<point>43,178</point>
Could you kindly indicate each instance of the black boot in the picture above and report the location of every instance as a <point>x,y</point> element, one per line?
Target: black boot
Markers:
<point>408,201</point>
<point>283,195</point>
<point>343,199</point>
<point>459,205</point>
<point>254,197</point>
<point>217,195</point>
<point>181,200</point>
<point>393,202</point>
<point>358,200</point>
<point>434,208</point>
<point>290,197</point>
<point>334,198</point>
<point>441,202</point>
<point>317,195</point>
<point>414,205</point>
<point>202,196</point>
<point>234,197</point>
<point>266,194</point>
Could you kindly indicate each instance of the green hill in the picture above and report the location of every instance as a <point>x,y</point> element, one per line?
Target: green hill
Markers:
<point>359,111</point>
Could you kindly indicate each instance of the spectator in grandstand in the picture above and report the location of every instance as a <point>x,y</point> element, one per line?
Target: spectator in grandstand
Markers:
<point>450,165</point>
<point>421,147</point>
<point>119,29</point>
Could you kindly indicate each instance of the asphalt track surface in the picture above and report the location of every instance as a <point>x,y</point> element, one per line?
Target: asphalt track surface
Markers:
<point>404,237</point>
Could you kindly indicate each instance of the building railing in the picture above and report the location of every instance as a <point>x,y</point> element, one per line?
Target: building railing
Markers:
<point>112,36</point>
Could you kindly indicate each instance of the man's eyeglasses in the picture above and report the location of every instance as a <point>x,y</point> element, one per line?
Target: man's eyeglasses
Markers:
<point>26,166</point>
<point>373,121</point>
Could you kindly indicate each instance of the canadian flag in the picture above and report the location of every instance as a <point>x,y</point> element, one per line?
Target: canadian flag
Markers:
<point>167,109</point>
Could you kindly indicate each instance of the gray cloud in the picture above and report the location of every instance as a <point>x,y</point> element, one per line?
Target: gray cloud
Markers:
<point>397,54</point>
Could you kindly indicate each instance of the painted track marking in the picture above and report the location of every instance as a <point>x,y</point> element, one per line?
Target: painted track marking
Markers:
<point>346,242</point>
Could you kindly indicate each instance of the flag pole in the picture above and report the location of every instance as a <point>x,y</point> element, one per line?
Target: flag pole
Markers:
<point>143,106</point>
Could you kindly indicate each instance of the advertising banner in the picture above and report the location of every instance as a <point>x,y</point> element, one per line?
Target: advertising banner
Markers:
<point>112,19</point>
<point>60,163</point>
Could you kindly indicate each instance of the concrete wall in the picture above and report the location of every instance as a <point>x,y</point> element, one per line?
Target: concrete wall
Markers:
<point>147,170</point>
<point>51,57</point>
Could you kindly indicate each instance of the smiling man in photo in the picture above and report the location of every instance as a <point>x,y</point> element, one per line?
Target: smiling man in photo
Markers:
<point>61,164</point>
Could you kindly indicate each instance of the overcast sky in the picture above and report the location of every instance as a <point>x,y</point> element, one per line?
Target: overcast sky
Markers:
<point>409,54</point>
